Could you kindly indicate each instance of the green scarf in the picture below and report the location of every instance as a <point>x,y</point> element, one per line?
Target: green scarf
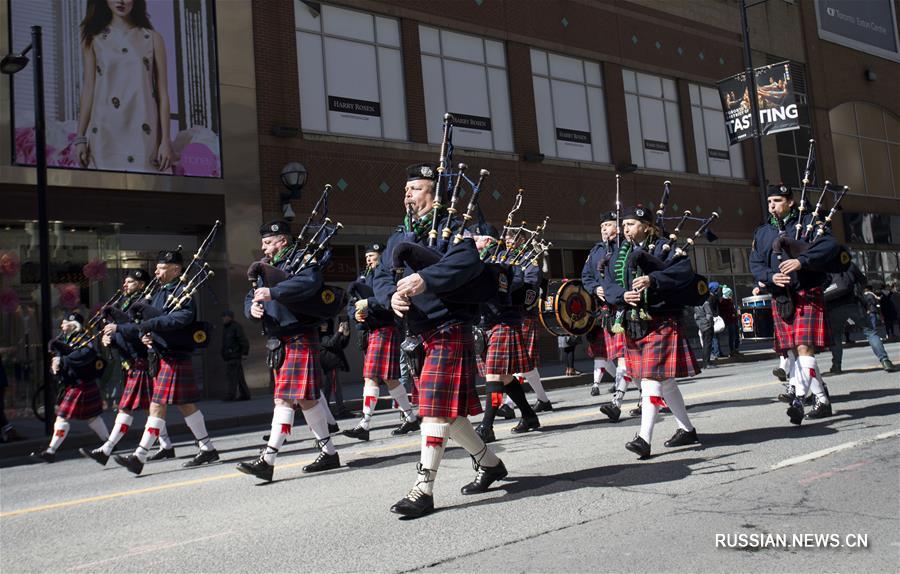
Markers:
<point>792,214</point>
<point>418,226</point>
<point>280,255</point>
<point>619,265</point>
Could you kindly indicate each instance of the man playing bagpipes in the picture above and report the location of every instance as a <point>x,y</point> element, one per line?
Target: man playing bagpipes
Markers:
<point>595,275</point>
<point>293,346</point>
<point>505,353</point>
<point>135,367</point>
<point>650,288</point>
<point>382,354</point>
<point>797,284</point>
<point>435,310</point>
<point>77,367</point>
<point>168,330</point>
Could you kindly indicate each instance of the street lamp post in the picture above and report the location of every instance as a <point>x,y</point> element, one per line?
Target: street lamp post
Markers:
<point>754,105</point>
<point>11,64</point>
<point>293,178</point>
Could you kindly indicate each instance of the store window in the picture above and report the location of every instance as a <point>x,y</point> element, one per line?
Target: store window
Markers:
<point>570,108</point>
<point>466,76</point>
<point>866,148</point>
<point>654,126</point>
<point>714,155</point>
<point>351,72</point>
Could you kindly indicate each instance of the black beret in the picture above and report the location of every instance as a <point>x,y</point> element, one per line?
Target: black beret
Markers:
<point>421,171</point>
<point>174,257</point>
<point>608,216</point>
<point>779,190</point>
<point>76,317</point>
<point>375,248</point>
<point>640,213</point>
<point>275,228</point>
<point>138,275</point>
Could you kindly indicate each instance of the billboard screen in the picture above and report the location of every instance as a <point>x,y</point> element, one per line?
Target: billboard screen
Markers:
<point>775,98</point>
<point>129,85</point>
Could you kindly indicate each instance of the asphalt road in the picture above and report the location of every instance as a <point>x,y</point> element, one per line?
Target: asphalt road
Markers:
<point>758,495</point>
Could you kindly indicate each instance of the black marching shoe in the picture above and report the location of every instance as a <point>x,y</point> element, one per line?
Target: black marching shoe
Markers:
<point>639,446</point>
<point>415,504</point>
<point>835,369</point>
<point>526,425</point>
<point>506,411</point>
<point>407,427</point>
<point>357,433</point>
<point>163,454</point>
<point>635,412</point>
<point>332,429</point>
<point>787,396</point>
<point>887,365</point>
<point>258,468</point>
<point>542,406</point>
<point>485,476</point>
<point>682,438</point>
<point>131,462</point>
<point>324,461</point>
<point>795,412</point>
<point>95,454</point>
<point>204,456</point>
<point>820,411</point>
<point>779,374</point>
<point>43,456</point>
<point>612,411</point>
<point>486,433</point>
<point>595,390</point>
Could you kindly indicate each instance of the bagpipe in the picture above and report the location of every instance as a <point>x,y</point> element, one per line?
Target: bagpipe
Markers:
<point>194,276</point>
<point>84,363</point>
<point>305,254</point>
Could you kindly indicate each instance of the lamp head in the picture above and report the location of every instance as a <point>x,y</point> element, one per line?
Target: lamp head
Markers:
<point>13,63</point>
<point>293,177</point>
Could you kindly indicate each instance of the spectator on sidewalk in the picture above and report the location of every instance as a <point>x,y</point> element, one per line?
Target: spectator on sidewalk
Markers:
<point>235,349</point>
<point>715,296</point>
<point>567,346</point>
<point>891,298</point>
<point>703,317</point>
<point>872,302</point>
<point>728,312</point>
<point>334,360</point>
<point>843,301</point>
<point>7,431</point>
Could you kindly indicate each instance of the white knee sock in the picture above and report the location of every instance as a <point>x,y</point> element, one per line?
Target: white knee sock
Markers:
<point>282,421</point>
<point>197,424</point>
<point>462,432</point>
<point>533,378</point>
<point>60,431</point>
<point>672,395</point>
<point>370,399</point>
<point>164,440</point>
<point>788,361</point>
<point>434,441</point>
<point>318,424</point>
<point>809,368</point>
<point>151,433</point>
<point>398,393</point>
<point>98,425</point>
<point>328,416</point>
<point>120,427</point>
<point>599,366</point>
<point>652,392</point>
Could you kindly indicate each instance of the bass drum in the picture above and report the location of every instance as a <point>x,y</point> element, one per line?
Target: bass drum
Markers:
<point>568,309</point>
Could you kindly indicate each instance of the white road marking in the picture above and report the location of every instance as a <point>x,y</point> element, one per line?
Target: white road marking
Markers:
<point>833,449</point>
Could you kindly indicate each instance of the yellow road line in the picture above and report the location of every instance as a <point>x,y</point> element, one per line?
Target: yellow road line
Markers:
<point>390,448</point>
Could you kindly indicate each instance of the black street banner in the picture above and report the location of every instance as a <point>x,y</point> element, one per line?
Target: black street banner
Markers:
<point>774,94</point>
<point>472,122</point>
<point>361,107</point>
<point>576,136</point>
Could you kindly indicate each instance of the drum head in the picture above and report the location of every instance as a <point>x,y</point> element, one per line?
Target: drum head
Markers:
<point>569,309</point>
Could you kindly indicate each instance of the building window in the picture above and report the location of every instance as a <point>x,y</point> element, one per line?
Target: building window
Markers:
<point>654,127</point>
<point>714,155</point>
<point>866,141</point>
<point>466,76</point>
<point>570,109</point>
<point>793,146</point>
<point>351,73</point>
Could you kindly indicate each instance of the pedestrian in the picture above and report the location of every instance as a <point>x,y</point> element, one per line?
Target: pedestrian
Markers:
<point>567,346</point>
<point>872,303</point>
<point>843,302</point>
<point>888,310</point>
<point>714,299</point>
<point>235,349</point>
<point>8,432</point>
<point>703,317</point>
<point>728,312</point>
<point>333,359</point>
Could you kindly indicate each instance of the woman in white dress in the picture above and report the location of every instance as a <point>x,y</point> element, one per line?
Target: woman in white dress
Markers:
<point>124,121</point>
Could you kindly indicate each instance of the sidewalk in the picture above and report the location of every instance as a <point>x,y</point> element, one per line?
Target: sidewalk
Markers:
<point>257,412</point>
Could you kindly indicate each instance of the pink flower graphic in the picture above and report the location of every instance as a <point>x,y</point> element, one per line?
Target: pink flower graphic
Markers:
<point>95,270</point>
<point>9,263</point>
<point>69,295</point>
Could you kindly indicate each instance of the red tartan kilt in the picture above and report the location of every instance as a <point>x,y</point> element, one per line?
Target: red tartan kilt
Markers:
<point>615,345</point>
<point>175,384</point>
<point>383,355</point>
<point>531,341</point>
<point>596,340</point>
<point>808,326</point>
<point>81,401</point>
<point>447,383</point>
<point>663,354</point>
<point>299,378</point>
<point>138,387</point>
<point>505,352</point>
